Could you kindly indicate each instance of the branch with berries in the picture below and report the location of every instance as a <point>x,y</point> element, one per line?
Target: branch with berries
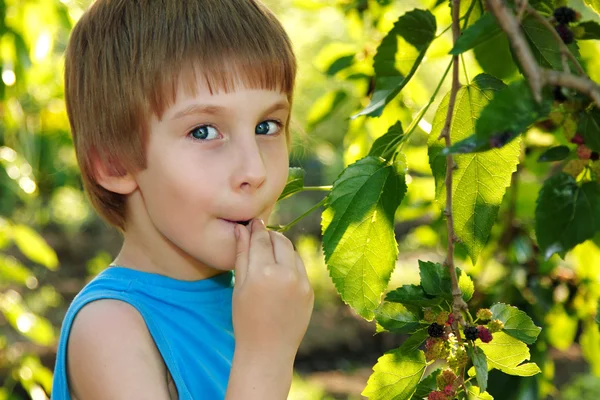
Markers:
<point>537,76</point>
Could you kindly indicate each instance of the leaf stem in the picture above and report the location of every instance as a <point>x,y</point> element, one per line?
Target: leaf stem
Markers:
<point>283,228</point>
<point>462,61</point>
<point>317,188</point>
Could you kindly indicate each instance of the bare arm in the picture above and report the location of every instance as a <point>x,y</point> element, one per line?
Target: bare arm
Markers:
<point>111,355</point>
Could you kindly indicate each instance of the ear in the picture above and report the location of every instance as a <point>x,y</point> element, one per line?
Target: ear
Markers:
<point>112,176</point>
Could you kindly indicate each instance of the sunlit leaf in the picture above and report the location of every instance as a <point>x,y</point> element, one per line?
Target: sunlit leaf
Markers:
<point>566,214</point>
<point>557,153</point>
<point>413,295</point>
<point>295,183</point>
<point>481,368</point>
<point>386,145</point>
<point>34,327</point>
<point>398,57</point>
<point>516,322</point>
<point>396,376</point>
<point>11,270</point>
<point>480,179</point>
<point>426,386</point>
<point>340,64</point>
<point>34,247</point>
<point>592,30</point>
<point>324,107</point>
<point>560,327</point>
<point>590,346</point>
<point>484,29</point>
<point>589,127</point>
<point>595,4</point>
<point>507,353</point>
<point>358,230</point>
<point>494,57</point>
<point>414,341</point>
<point>476,394</point>
<point>436,281</point>
<point>396,318</point>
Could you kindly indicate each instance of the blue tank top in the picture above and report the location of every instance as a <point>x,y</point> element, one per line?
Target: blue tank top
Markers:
<point>190,322</point>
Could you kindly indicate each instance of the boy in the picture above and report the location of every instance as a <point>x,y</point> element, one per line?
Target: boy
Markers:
<point>180,111</point>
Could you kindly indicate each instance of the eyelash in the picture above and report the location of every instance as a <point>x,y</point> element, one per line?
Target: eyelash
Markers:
<point>189,134</point>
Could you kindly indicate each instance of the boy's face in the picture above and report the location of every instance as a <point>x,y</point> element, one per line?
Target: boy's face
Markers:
<point>211,160</point>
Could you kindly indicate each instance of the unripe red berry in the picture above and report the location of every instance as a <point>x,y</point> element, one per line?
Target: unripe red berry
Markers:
<point>485,335</point>
<point>578,139</point>
<point>584,152</point>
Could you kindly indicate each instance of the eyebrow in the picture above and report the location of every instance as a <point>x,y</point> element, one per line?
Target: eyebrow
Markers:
<point>220,110</point>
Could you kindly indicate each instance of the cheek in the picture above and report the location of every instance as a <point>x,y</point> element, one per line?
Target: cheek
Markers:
<point>278,165</point>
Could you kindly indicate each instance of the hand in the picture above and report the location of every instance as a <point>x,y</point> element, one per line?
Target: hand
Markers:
<point>272,298</point>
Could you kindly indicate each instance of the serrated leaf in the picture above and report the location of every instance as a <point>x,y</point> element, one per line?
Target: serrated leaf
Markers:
<point>543,45</point>
<point>414,341</point>
<point>476,394</point>
<point>592,30</point>
<point>295,183</point>
<point>590,346</point>
<point>506,354</point>
<point>595,4</point>
<point>358,231</point>
<point>481,368</point>
<point>480,179</point>
<point>386,145</point>
<point>589,127</point>
<point>436,281</point>
<point>413,295</point>
<point>566,214</point>
<point>557,153</point>
<point>34,247</point>
<point>398,57</point>
<point>484,29</point>
<point>396,376</point>
<point>426,386</point>
<point>516,322</point>
<point>394,317</point>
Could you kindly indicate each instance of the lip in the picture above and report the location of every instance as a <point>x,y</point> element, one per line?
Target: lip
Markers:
<point>241,222</point>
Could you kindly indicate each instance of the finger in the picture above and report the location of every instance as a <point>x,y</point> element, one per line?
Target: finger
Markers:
<point>261,248</point>
<point>283,249</point>
<point>241,257</point>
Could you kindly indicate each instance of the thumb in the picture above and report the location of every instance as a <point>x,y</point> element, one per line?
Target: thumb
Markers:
<point>241,257</point>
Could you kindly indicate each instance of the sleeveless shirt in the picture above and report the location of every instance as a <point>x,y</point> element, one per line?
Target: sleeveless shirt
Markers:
<point>190,322</point>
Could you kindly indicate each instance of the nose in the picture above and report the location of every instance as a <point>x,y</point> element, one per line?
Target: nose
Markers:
<point>250,172</point>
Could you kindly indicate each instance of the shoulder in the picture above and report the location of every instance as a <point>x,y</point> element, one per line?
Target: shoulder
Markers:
<point>111,354</point>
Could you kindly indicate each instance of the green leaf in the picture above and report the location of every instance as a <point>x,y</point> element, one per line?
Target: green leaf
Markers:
<point>516,322</point>
<point>566,214</point>
<point>598,313</point>
<point>413,295</point>
<point>358,231</point>
<point>436,281</point>
<point>414,341</point>
<point>37,329</point>
<point>595,4</point>
<point>34,247</point>
<point>394,317</point>
<point>11,270</point>
<point>484,29</point>
<point>398,57</point>
<point>543,45</point>
<point>295,183</point>
<point>324,107</point>
<point>396,376</point>
<point>386,145</point>
<point>589,127</point>
<point>557,153</point>
<point>592,30</point>
<point>426,386</point>
<point>561,327</point>
<point>506,354</point>
<point>480,179</point>
<point>590,346</point>
<point>476,394</point>
<point>481,367</point>
<point>340,64</point>
<point>494,57</point>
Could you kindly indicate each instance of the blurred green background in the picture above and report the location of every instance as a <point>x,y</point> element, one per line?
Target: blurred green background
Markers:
<point>52,243</point>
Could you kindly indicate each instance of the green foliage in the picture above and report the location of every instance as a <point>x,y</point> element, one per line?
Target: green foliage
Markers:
<point>516,323</point>
<point>595,4</point>
<point>295,183</point>
<point>507,354</point>
<point>557,153</point>
<point>481,367</point>
<point>589,127</point>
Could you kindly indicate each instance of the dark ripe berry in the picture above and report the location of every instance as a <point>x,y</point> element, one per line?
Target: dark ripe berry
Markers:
<point>565,34</point>
<point>595,156</point>
<point>471,332</point>
<point>435,330</point>
<point>500,139</point>
<point>485,335</point>
<point>565,15</point>
<point>578,139</point>
<point>558,94</point>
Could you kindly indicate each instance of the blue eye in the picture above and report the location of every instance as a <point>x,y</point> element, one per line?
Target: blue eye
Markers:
<point>204,132</point>
<point>268,128</point>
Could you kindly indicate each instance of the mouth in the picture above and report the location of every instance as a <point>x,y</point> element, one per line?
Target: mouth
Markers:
<point>245,223</point>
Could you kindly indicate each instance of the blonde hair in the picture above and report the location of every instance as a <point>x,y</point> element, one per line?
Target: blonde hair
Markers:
<point>126,58</point>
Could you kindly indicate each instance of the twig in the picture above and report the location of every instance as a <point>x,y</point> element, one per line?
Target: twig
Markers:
<point>564,50</point>
<point>522,8</point>
<point>581,84</point>
<point>458,304</point>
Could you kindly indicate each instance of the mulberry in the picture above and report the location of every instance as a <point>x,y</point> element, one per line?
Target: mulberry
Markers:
<point>584,152</point>
<point>442,318</point>
<point>565,34</point>
<point>565,15</point>
<point>437,396</point>
<point>578,139</point>
<point>485,335</point>
<point>484,314</point>
<point>595,156</point>
<point>429,315</point>
<point>435,349</point>
<point>435,330</point>
<point>471,332</point>
<point>447,377</point>
<point>495,326</point>
<point>558,94</point>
